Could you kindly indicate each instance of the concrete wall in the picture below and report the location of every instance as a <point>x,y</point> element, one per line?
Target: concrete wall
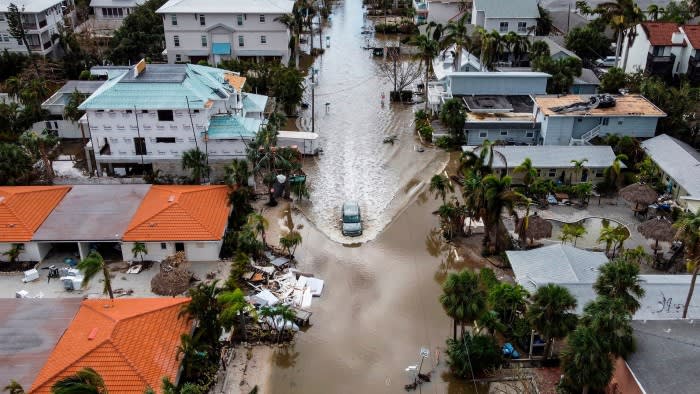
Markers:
<point>495,24</point>
<point>64,128</point>
<point>623,380</point>
<point>467,85</point>
<point>224,28</point>
<point>476,136</point>
<point>558,130</point>
<point>195,251</point>
<point>31,251</point>
<point>637,54</point>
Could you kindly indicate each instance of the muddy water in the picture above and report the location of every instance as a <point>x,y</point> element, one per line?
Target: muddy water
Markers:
<point>378,308</point>
<point>356,164</point>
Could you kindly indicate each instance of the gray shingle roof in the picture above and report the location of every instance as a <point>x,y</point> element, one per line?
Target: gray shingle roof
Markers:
<point>677,159</point>
<point>555,264</point>
<point>666,356</point>
<point>553,156</point>
<point>508,8</point>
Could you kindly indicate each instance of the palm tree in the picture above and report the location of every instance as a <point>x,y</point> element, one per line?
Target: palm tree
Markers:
<point>290,21</point>
<point>653,11</point>
<point>191,352</point>
<point>91,266</point>
<point>610,318</point>
<point>689,232</point>
<point>508,301</point>
<point>498,196</point>
<point>551,313</point>
<point>619,279</point>
<point>572,231</point>
<point>290,242</point>
<point>463,299</point>
<point>585,362</point>
<point>529,171</point>
<point>204,307</point>
<point>258,223</point>
<point>491,323</point>
<point>13,387</point>
<point>40,144</point>
<point>428,48</point>
<point>440,185</point>
<point>623,17</point>
<point>579,166</point>
<point>457,34</point>
<point>491,47</point>
<point>612,173</point>
<point>233,305</point>
<point>14,252</point>
<point>85,381</point>
<point>237,173</point>
<point>139,248</point>
<point>196,161</point>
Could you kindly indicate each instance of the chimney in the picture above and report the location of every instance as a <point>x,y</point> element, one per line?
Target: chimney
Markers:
<point>677,38</point>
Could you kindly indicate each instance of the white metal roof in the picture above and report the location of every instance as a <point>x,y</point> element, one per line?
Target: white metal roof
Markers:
<point>676,158</point>
<point>227,7</point>
<point>508,8</point>
<point>29,5</point>
<point>552,156</point>
<point>300,135</point>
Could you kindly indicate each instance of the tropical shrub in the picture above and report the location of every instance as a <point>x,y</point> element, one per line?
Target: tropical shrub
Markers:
<point>472,356</point>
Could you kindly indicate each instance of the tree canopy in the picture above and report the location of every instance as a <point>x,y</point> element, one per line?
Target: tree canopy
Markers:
<point>141,35</point>
<point>587,42</point>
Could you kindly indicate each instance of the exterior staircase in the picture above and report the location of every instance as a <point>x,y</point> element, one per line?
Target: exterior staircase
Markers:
<point>586,137</point>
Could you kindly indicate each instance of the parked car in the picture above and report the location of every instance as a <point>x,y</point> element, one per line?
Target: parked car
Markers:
<point>352,219</point>
<point>608,61</point>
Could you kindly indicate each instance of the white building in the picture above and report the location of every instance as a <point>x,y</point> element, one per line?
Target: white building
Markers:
<point>147,116</point>
<point>664,49</point>
<point>679,166</point>
<point>577,270</point>
<point>213,30</point>
<point>505,16</point>
<point>40,19</point>
<point>55,105</point>
<point>108,15</point>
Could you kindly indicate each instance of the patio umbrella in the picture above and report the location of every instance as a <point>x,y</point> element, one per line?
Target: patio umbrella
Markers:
<point>639,193</point>
<point>658,229</point>
<point>537,228</point>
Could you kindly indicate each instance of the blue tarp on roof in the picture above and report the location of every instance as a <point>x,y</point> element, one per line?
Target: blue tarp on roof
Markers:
<point>221,48</point>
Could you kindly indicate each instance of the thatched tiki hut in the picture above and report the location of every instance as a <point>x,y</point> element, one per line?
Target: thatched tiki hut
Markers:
<point>533,227</point>
<point>658,229</point>
<point>639,193</point>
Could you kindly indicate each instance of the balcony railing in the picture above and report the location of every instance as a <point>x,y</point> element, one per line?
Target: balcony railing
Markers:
<point>47,45</point>
<point>660,65</point>
<point>29,26</point>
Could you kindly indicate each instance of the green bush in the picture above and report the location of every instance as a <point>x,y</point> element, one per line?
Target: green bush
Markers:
<point>408,28</point>
<point>382,28</point>
<point>478,352</point>
<point>426,131</point>
<point>444,142</point>
<point>421,115</point>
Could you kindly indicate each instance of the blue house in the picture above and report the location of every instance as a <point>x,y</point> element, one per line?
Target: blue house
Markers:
<point>577,119</point>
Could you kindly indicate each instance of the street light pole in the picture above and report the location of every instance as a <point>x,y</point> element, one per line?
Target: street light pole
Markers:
<point>313,100</point>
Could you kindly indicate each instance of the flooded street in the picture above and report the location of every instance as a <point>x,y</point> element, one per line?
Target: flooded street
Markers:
<point>380,301</point>
<point>356,164</point>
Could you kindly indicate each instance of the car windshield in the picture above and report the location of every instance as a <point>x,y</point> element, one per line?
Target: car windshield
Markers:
<point>351,218</point>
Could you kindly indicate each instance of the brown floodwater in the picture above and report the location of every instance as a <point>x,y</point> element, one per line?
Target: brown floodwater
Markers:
<point>380,301</point>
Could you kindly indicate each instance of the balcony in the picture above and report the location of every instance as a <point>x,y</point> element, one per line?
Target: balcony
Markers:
<point>661,66</point>
<point>105,150</point>
<point>694,69</point>
<point>32,25</point>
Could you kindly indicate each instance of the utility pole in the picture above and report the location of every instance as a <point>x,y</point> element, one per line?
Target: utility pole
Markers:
<point>313,100</point>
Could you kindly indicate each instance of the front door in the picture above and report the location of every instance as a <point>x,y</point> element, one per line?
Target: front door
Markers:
<point>179,247</point>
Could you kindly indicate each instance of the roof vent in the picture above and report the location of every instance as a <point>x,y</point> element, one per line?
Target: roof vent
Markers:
<point>2,198</point>
<point>93,334</point>
<point>11,225</point>
<point>152,224</point>
<point>171,198</point>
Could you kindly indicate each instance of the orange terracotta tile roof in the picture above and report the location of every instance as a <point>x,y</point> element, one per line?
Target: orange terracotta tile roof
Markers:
<point>24,208</point>
<point>693,34</point>
<point>235,80</point>
<point>180,213</point>
<point>133,346</point>
<point>660,33</point>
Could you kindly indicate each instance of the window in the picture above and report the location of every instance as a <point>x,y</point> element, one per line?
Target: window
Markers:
<point>165,115</point>
<point>163,245</point>
<point>113,12</point>
<point>178,58</point>
<point>530,134</point>
<point>262,18</point>
<point>173,20</point>
<point>263,39</point>
<point>658,51</point>
<point>503,27</point>
<point>204,41</point>
<point>599,174</point>
<point>2,17</point>
<point>165,140</point>
<point>619,122</point>
<point>579,120</point>
<point>128,111</point>
<point>552,172</point>
<point>196,111</point>
<point>202,20</point>
<point>539,172</point>
<point>483,134</point>
<point>241,42</point>
<point>239,20</point>
<point>522,27</point>
<point>176,39</point>
<point>144,111</point>
<point>504,132</point>
<point>606,121</point>
<point>140,145</point>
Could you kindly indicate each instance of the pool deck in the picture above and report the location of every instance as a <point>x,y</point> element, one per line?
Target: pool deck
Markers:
<point>614,208</point>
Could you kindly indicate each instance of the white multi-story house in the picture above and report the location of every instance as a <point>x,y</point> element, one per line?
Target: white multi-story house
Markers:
<point>505,16</point>
<point>145,117</point>
<point>40,19</point>
<point>663,49</point>
<point>108,15</point>
<point>214,30</point>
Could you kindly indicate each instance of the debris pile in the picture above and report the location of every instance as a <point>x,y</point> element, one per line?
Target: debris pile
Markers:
<point>174,278</point>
